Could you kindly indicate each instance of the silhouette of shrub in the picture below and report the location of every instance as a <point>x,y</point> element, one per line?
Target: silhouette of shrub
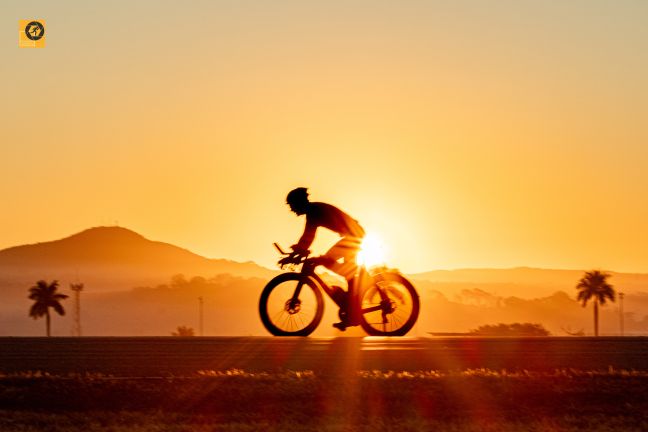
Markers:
<point>515,329</point>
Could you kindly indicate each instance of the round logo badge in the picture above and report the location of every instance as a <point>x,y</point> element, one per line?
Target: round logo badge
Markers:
<point>34,30</point>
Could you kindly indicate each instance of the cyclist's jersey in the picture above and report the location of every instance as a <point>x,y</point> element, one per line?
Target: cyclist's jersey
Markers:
<point>327,216</point>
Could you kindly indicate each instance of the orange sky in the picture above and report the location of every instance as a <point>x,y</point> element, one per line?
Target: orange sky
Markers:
<point>466,134</point>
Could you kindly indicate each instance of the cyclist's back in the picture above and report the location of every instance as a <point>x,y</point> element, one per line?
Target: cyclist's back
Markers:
<point>320,214</point>
<point>324,215</point>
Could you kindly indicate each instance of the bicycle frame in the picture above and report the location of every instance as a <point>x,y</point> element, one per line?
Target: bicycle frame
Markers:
<point>308,270</point>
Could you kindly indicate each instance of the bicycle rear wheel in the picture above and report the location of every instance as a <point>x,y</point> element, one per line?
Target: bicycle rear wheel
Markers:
<point>284,315</point>
<point>390,307</point>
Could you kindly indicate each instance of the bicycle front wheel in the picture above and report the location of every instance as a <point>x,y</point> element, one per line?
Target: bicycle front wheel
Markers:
<point>390,307</point>
<point>284,313</point>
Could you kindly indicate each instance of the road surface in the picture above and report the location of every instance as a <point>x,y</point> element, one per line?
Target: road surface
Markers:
<point>163,356</point>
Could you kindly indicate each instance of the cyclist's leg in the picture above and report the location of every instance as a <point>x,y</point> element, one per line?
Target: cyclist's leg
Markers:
<point>343,262</point>
<point>343,257</point>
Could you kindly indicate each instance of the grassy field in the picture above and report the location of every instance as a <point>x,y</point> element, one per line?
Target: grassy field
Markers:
<point>235,400</point>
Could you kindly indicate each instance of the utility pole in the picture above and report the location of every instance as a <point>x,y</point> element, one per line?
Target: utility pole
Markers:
<point>200,315</point>
<point>77,288</point>
<point>621,295</point>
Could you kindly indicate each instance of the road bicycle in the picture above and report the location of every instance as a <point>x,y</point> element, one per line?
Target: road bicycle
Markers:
<point>383,303</point>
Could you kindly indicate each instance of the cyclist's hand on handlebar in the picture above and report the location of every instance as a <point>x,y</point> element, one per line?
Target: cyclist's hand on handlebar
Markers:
<point>299,251</point>
<point>285,261</point>
<point>293,258</point>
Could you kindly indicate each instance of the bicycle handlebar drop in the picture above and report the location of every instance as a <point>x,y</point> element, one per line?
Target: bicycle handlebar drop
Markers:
<point>279,249</point>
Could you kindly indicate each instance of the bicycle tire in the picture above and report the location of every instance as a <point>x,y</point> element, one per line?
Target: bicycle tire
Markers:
<point>269,323</point>
<point>397,278</point>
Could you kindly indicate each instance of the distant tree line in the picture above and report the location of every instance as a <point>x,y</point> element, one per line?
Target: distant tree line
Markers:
<point>515,329</point>
<point>593,285</point>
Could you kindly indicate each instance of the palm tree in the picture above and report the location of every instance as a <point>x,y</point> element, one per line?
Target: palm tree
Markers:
<point>594,285</point>
<point>45,297</point>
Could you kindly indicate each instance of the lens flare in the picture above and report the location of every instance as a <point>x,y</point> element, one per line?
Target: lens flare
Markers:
<point>372,251</point>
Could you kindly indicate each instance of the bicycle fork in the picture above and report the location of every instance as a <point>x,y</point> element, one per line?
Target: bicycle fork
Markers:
<point>293,304</point>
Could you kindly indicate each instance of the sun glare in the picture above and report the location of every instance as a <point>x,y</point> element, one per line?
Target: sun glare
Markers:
<point>372,251</point>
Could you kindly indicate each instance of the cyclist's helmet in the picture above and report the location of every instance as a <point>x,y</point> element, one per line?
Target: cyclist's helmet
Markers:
<point>297,199</point>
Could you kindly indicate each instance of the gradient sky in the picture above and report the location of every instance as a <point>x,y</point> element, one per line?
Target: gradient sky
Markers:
<point>464,133</point>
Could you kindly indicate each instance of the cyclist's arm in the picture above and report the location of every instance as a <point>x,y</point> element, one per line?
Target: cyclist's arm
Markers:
<point>307,238</point>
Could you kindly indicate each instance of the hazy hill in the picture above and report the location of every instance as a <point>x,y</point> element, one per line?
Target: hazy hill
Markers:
<point>523,282</point>
<point>109,259</point>
<point>559,313</point>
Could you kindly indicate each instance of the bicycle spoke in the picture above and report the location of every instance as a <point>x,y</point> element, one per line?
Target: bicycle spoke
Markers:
<point>302,321</point>
<point>278,315</point>
<point>296,321</point>
<point>396,321</point>
<point>281,319</point>
<point>286,321</point>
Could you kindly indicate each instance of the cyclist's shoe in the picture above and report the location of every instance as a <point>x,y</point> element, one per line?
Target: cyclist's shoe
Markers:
<point>340,325</point>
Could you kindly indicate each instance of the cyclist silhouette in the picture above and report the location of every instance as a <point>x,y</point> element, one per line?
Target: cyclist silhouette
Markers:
<point>341,258</point>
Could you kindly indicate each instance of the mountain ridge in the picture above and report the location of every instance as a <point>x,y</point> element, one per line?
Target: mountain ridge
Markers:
<point>112,258</point>
<point>519,281</point>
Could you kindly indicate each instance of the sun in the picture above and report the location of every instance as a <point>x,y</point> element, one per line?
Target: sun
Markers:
<point>372,251</point>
